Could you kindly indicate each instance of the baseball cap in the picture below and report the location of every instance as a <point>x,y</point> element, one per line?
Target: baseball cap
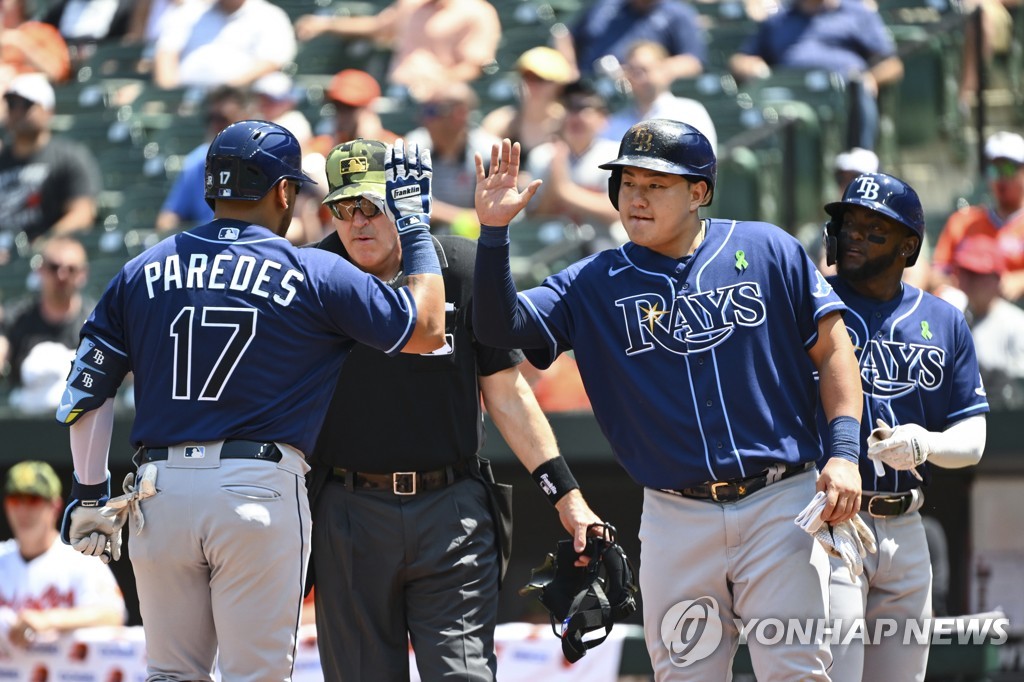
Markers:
<point>980,254</point>
<point>355,168</point>
<point>1005,145</point>
<point>857,160</point>
<point>34,87</point>
<point>353,87</point>
<point>545,62</point>
<point>274,85</point>
<point>33,478</point>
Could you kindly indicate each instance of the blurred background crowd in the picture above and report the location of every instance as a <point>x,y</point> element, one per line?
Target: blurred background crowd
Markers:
<point>108,107</point>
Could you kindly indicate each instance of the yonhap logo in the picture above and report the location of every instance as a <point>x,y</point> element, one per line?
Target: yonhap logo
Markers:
<point>405,192</point>
<point>691,630</point>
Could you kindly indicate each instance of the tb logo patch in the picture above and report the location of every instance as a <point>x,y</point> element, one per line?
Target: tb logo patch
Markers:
<point>867,188</point>
<point>692,323</point>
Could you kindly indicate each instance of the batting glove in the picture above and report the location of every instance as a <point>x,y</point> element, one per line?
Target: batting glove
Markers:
<point>136,488</point>
<point>407,173</point>
<point>849,541</point>
<point>903,447</point>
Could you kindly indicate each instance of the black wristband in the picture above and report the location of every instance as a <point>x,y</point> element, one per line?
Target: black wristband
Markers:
<point>554,479</point>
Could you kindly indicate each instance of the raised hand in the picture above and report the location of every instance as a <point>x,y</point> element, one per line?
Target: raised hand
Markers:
<point>498,199</point>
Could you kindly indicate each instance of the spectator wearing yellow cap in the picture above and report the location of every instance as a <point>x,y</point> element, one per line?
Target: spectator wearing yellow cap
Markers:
<point>537,115</point>
<point>46,587</point>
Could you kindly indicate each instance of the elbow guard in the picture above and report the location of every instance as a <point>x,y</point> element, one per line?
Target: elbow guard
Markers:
<point>95,374</point>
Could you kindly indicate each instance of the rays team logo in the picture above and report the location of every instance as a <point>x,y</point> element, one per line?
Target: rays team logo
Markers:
<point>890,369</point>
<point>691,630</point>
<point>692,323</point>
<point>867,188</point>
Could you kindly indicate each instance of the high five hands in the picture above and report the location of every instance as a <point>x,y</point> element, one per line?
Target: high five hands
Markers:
<point>497,198</point>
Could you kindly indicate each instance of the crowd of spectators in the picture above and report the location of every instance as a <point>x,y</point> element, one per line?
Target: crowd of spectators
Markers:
<point>239,59</point>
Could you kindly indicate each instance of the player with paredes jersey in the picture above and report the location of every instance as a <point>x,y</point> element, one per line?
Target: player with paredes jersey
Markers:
<point>697,342</point>
<point>923,402</point>
<point>235,339</point>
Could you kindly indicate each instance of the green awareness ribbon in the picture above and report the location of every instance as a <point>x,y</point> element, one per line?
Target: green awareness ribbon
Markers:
<point>926,333</point>
<point>741,260</point>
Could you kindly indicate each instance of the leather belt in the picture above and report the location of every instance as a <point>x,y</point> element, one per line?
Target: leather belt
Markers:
<point>232,449</point>
<point>401,482</point>
<point>886,505</point>
<point>737,488</point>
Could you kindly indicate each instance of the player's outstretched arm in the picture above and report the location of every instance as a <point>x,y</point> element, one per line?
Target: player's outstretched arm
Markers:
<point>500,318</point>
<point>408,177</point>
<point>841,398</point>
<point>514,409</point>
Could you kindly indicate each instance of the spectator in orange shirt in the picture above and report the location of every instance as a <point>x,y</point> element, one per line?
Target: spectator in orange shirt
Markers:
<point>435,42</point>
<point>1004,220</point>
<point>33,47</point>
<point>353,93</point>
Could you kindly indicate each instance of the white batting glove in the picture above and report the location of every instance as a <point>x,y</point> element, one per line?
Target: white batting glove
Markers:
<point>903,447</point>
<point>96,531</point>
<point>407,200</point>
<point>849,541</point>
<point>136,488</point>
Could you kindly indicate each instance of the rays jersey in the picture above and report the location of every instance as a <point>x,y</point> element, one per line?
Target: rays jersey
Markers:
<point>207,319</point>
<point>697,368</point>
<point>917,366</point>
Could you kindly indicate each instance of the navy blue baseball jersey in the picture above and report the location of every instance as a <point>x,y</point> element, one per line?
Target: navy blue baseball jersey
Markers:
<point>206,319</point>
<point>697,368</point>
<point>917,366</point>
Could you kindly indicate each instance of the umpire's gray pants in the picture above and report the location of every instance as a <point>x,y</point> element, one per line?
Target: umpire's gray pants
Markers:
<point>393,568</point>
<point>897,585</point>
<point>752,561</point>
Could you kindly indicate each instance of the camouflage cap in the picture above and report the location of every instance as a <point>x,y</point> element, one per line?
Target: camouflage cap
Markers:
<point>355,168</point>
<point>33,478</point>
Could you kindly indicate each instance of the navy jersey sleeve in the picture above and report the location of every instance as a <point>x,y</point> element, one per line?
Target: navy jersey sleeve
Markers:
<point>106,324</point>
<point>811,296</point>
<point>362,306</point>
<point>967,397</point>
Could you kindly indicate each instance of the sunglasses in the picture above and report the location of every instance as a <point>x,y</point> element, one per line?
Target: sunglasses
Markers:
<point>346,208</point>
<point>25,500</point>
<point>18,102</point>
<point>54,268</point>
<point>1001,170</point>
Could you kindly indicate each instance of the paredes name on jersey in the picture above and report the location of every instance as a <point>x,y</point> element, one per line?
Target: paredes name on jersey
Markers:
<point>260,277</point>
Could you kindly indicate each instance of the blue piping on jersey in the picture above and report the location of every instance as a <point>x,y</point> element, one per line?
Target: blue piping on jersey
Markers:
<point>972,408</point>
<point>236,241</point>
<point>407,333</point>
<point>714,356</point>
<point>532,309</point>
<point>725,413</point>
<point>657,275</point>
<point>822,311</point>
<point>107,344</point>
<point>700,425</point>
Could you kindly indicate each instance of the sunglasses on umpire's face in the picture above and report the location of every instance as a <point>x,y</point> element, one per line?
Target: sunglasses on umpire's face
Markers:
<point>345,209</point>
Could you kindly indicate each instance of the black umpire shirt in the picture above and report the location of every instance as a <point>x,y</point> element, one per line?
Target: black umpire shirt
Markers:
<point>414,412</point>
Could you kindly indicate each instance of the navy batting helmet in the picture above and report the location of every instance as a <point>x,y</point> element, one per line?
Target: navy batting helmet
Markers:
<point>885,194</point>
<point>662,144</point>
<point>248,158</point>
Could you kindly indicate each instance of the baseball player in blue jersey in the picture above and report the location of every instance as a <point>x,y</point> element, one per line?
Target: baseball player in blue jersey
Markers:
<point>235,339</point>
<point>923,402</point>
<point>687,339</point>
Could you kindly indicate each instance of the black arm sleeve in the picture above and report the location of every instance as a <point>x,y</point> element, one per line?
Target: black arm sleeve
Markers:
<point>501,317</point>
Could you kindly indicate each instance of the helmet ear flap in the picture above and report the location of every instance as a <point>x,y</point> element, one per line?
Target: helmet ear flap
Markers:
<point>830,237</point>
<point>614,183</point>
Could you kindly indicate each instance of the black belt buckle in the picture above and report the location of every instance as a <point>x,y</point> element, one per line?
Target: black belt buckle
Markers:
<point>403,483</point>
<point>887,506</point>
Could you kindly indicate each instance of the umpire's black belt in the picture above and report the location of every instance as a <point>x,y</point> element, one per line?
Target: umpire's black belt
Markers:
<point>737,488</point>
<point>887,505</point>
<point>232,449</point>
<point>402,482</point>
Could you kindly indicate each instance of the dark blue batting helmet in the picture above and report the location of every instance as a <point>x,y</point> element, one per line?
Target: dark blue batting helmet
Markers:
<point>248,158</point>
<point>885,194</point>
<point>668,146</point>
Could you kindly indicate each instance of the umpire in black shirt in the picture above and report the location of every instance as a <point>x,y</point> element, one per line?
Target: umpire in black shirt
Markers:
<point>405,543</point>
